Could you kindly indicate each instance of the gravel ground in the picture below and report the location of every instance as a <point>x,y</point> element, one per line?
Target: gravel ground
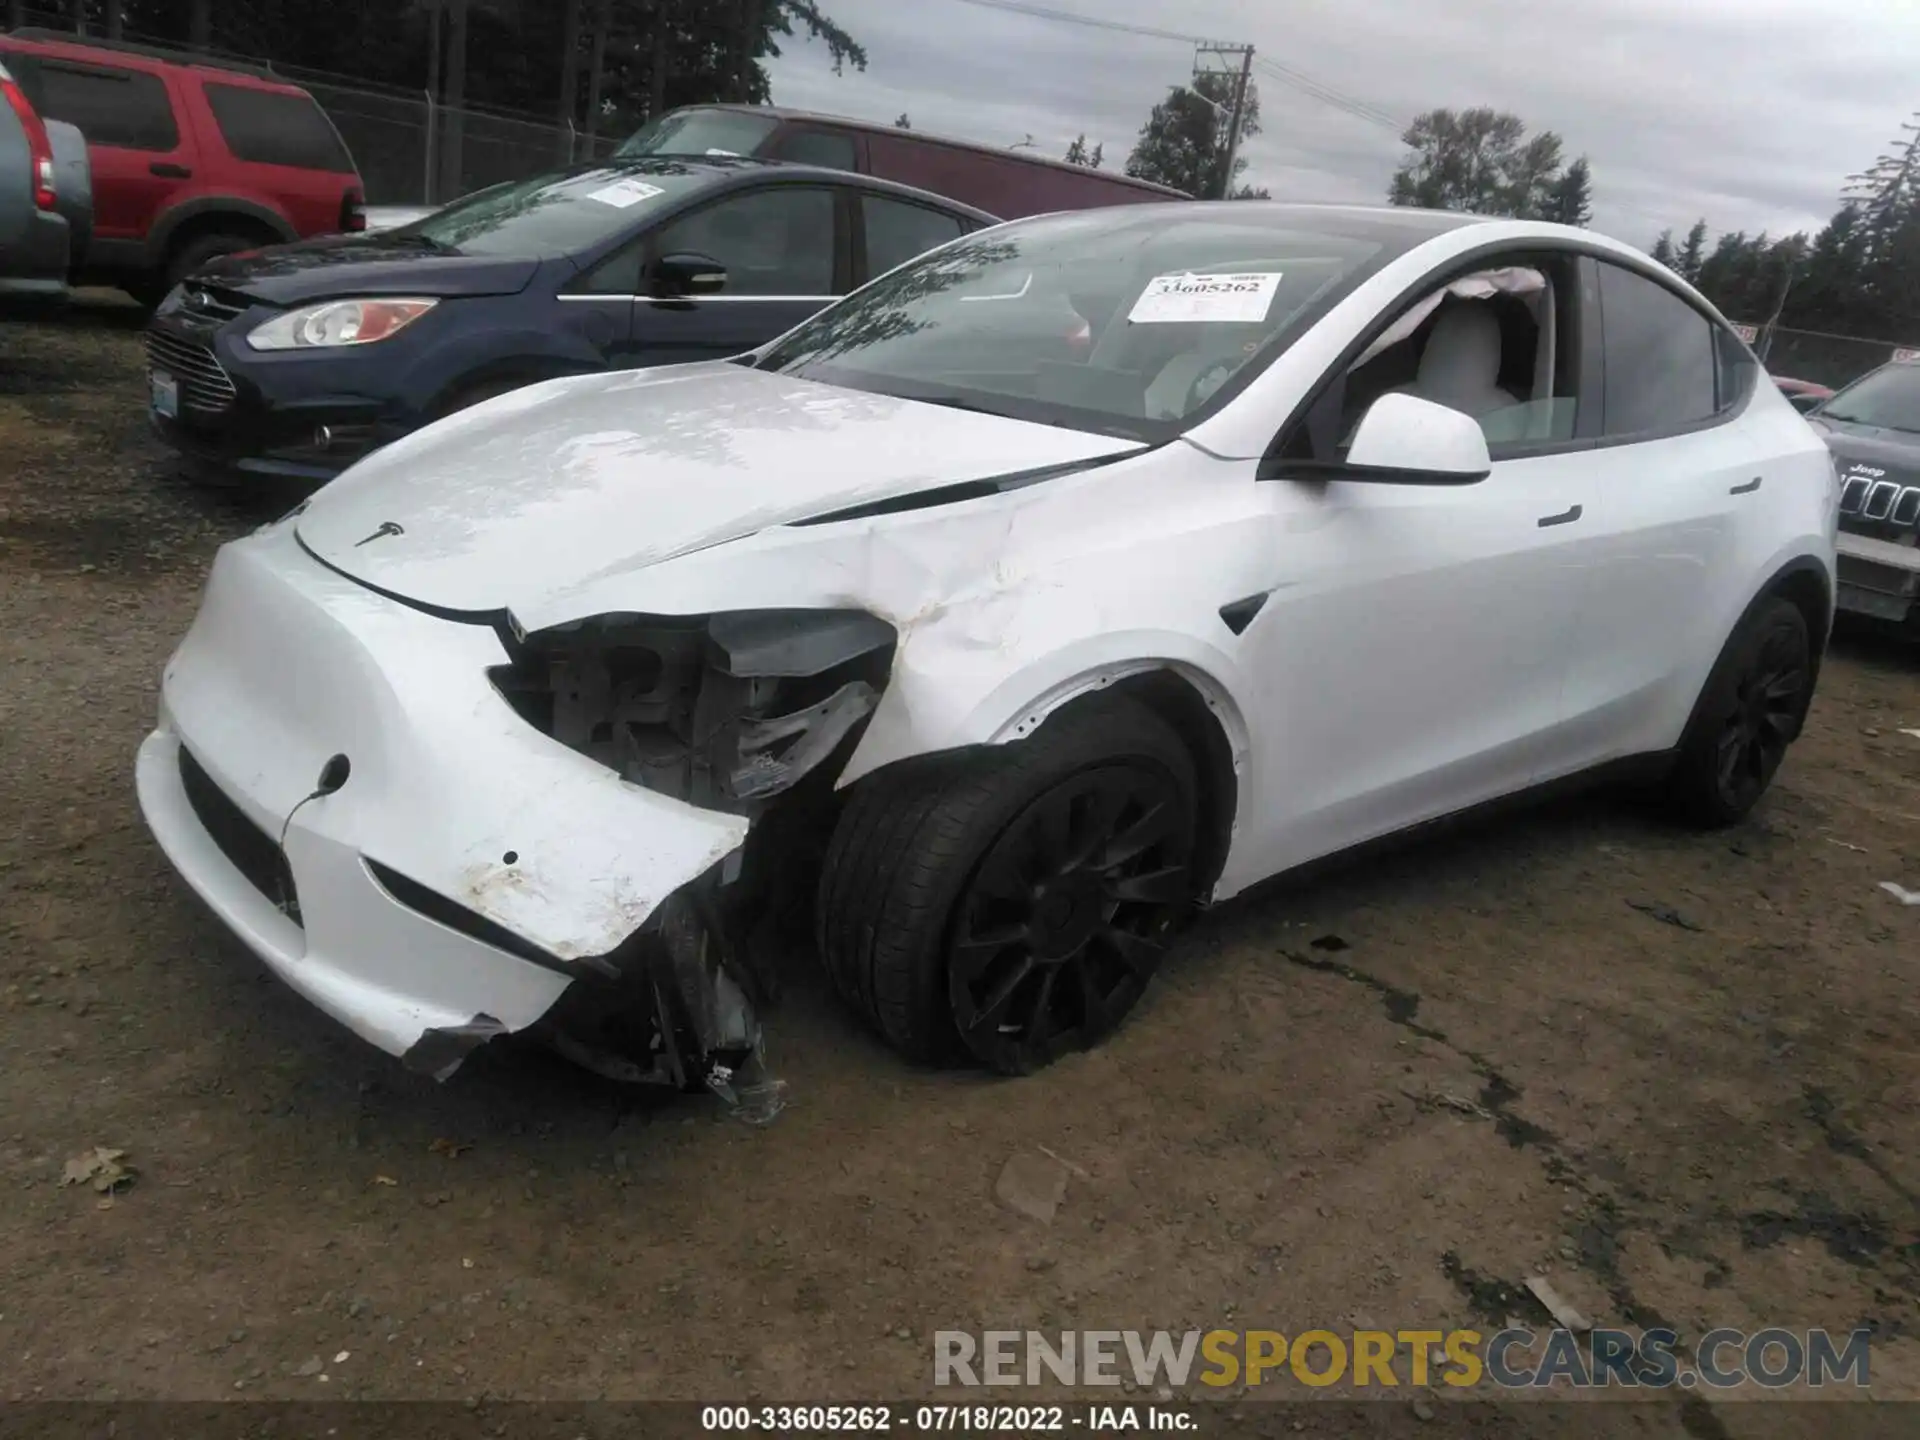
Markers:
<point>1385,1098</point>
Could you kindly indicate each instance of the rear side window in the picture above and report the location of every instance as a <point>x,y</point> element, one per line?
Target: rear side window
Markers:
<point>896,232</point>
<point>127,109</point>
<point>1660,356</point>
<point>817,147</point>
<point>271,127</point>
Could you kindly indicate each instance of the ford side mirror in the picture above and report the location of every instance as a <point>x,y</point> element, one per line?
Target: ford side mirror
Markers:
<point>678,276</point>
<point>1403,440</point>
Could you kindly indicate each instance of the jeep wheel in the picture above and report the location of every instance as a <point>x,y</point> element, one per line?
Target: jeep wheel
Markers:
<point>1018,899</point>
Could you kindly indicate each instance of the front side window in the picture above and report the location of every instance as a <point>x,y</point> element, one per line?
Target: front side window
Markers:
<point>1499,344</point>
<point>775,241</point>
<point>272,127</point>
<point>127,109</point>
<point>1661,371</point>
<point>1889,398</point>
<point>1105,320</point>
<point>896,232</point>
<point>699,132</point>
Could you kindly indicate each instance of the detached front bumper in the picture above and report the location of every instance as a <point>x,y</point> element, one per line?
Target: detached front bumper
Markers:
<point>1878,578</point>
<point>470,869</point>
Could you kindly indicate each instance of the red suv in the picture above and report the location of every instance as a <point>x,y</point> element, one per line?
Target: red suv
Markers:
<point>192,158</point>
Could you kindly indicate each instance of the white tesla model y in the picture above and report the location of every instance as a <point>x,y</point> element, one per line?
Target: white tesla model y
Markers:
<point>1084,570</point>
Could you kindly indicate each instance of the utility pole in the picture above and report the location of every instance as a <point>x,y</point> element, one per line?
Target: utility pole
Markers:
<point>1213,58</point>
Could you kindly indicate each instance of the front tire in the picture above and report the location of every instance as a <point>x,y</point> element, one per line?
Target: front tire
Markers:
<point>1015,902</point>
<point>1752,709</point>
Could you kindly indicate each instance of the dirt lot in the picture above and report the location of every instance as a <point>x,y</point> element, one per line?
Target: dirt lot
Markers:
<point>1382,1099</point>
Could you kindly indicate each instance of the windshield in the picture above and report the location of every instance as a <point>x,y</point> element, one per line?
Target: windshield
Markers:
<point>699,132</point>
<point>1889,397</point>
<point>557,214</point>
<point>1118,321</point>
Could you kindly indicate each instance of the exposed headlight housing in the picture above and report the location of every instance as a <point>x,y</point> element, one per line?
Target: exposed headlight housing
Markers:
<point>724,711</point>
<point>334,323</point>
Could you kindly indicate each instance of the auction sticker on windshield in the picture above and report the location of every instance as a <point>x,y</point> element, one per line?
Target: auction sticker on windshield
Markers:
<point>1203,299</point>
<point>623,193</point>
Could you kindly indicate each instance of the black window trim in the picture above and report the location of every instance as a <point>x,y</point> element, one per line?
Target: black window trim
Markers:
<point>862,193</point>
<point>113,74</point>
<point>1592,333</point>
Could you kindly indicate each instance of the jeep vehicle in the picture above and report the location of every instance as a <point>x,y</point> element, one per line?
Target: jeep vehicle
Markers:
<point>191,157</point>
<point>1873,429</point>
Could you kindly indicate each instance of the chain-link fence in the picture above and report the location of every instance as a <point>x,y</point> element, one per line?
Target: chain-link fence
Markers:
<point>410,149</point>
<point>1825,359</point>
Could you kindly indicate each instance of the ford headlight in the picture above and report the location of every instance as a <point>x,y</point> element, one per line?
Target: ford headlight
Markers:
<point>337,322</point>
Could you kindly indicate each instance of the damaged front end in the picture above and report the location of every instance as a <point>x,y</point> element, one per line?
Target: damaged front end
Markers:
<point>750,713</point>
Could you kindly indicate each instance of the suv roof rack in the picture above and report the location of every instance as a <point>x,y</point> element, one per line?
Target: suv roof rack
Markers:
<point>263,70</point>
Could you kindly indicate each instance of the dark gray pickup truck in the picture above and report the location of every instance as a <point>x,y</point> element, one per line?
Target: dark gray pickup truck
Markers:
<point>1873,429</point>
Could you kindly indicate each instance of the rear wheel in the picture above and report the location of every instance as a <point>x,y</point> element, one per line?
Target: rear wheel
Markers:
<point>1751,711</point>
<point>1015,901</point>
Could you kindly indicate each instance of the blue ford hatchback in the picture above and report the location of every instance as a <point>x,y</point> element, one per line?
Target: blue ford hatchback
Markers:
<point>296,360</point>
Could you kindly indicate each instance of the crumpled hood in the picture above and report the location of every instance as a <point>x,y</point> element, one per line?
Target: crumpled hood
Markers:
<point>518,501</point>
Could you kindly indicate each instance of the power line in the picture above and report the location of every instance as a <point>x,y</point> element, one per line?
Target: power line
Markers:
<point>1327,95</point>
<point>1047,12</point>
<point>1306,84</point>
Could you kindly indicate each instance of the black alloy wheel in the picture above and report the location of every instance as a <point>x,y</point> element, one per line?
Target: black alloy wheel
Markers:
<point>1752,708</point>
<point>1769,698</point>
<point>1067,916</point>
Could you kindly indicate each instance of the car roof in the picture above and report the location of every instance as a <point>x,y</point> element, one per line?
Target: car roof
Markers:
<point>55,44</point>
<point>1397,226</point>
<point>730,166</point>
<point>875,127</point>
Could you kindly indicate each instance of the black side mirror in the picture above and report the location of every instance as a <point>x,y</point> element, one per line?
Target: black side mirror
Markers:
<point>681,275</point>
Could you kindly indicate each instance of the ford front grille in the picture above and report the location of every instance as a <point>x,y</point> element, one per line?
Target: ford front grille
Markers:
<point>205,387</point>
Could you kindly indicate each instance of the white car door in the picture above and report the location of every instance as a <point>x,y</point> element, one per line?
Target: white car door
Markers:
<point>1673,485</point>
<point>1410,659</point>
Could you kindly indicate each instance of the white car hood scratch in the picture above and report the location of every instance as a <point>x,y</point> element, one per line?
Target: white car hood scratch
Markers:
<point>547,490</point>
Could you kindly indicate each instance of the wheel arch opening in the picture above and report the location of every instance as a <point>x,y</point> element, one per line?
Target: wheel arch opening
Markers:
<point>1805,586</point>
<point>1179,702</point>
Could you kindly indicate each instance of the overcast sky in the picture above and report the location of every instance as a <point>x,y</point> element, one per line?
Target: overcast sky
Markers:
<point>1748,112</point>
